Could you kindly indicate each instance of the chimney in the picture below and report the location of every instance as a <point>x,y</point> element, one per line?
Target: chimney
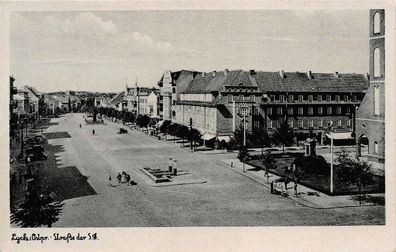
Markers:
<point>336,74</point>
<point>282,74</point>
<point>214,73</point>
<point>309,74</point>
<point>252,72</point>
<point>226,72</point>
<point>203,74</point>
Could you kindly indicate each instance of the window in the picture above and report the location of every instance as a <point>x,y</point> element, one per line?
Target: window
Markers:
<point>311,123</point>
<point>291,124</point>
<point>269,111</point>
<point>300,110</point>
<point>338,110</point>
<point>320,110</point>
<point>301,124</point>
<point>310,98</point>
<point>290,98</point>
<point>281,98</point>
<point>300,98</point>
<point>331,123</point>
<point>348,110</point>
<point>241,98</point>
<point>256,124</point>
<point>280,111</point>
<point>329,110</point>
<point>252,98</point>
<point>310,110</point>
<point>230,98</point>
<point>337,98</point>
<point>339,123</point>
<point>320,123</point>
<point>349,122</point>
<point>376,100</point>
<point>377,62</point>
<point>319,98</point>
<point>346,97</point>
<point>290,111</point>
<point>272,97</point>
<point>328,98</point>
<point>377,23</point>
<point>376,147</point>
<point>270,124</point>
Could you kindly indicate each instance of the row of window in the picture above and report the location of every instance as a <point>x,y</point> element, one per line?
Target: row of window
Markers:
<point>309,110</point>
<point>250,98</point>
<point>311,98</point>
<point>309,123</point>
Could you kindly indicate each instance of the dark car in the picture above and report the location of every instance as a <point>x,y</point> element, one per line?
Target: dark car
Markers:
<point>36,156</point>
<point>122,131</point>
<point>34,149</point>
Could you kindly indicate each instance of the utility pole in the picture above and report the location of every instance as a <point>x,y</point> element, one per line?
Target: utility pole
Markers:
<point>191,147</point>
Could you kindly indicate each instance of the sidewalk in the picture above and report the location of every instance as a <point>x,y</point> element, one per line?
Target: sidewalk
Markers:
<point>317,200</point>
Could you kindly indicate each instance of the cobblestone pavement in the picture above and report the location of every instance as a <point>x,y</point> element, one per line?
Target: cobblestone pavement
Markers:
<point>226,199</point>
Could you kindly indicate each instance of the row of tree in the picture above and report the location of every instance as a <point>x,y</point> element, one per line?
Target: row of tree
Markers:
<point>125,116</point>
<point>181,131</point>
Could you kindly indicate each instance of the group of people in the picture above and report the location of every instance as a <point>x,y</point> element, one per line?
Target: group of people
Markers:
<point>122,178</point>
<point>279,186</point>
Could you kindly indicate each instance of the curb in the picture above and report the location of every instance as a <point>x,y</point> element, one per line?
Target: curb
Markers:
<point>298,200</point>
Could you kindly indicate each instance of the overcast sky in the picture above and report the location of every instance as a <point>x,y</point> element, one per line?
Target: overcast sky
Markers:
<point>99,51</point>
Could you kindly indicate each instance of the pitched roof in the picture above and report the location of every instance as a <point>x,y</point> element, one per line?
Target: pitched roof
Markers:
<point>117,98</point>
<point>272,82</point>
<point>215,82</point>
<point>320,82</point>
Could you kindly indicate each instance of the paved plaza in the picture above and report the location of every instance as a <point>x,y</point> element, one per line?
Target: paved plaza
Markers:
<point>227,198</point>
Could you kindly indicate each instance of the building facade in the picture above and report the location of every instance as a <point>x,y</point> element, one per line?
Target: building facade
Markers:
<point>172,84</point>
<point>218,102</point>
<point>312,102</point>
<point>370,120</point>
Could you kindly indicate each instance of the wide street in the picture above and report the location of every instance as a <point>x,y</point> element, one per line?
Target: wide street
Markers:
<point>226,199</point>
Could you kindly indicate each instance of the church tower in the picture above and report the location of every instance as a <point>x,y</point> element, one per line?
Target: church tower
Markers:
<point>370,119</point>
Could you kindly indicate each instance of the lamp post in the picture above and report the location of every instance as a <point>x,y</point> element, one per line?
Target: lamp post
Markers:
<point>244,112</point>
<point>331,161</point>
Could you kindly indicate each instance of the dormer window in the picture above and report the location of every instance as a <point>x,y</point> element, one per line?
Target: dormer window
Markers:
<point>240,84</point>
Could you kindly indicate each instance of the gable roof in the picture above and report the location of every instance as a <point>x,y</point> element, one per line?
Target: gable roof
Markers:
<point>217,81</point>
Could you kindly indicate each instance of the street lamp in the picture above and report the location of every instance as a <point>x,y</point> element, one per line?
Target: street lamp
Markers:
<point>244,110</point>
<point>331,161</point>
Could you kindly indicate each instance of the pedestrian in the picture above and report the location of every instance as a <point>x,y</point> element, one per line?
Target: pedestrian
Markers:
<point>119,176</point>
<point>109,181</point>
<point>295,188</point>
<point>93,132</point>
<point>80,125</point>
<point>272,187</point>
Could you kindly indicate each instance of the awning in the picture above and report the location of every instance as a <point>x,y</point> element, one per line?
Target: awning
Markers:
<point>207,136</point>
<point>224,138</point>
<point>340,135</point>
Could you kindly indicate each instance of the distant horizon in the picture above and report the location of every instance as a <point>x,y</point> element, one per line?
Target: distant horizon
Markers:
<point>101,51</point>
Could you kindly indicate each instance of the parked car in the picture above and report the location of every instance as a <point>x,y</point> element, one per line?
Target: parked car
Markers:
<point>34,149</point>
<point>122,131</point>
<point>36,156</point>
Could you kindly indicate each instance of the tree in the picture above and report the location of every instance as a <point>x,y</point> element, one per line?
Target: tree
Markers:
<point>36,211</point>
<point>242,155</point>
<point>194,136</point>
<point>284,134</point>
<point>260,138</point>
<point>269,163</point>
<point>182,132</point>
<point>143,121</point>
<point>354,171</point>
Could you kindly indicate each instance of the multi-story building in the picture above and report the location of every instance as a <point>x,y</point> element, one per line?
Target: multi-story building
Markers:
<point>217,102</point>
<point>312,101</point>
<point>370,120</point>
<point>142,100</point>
<point>172,84</point>
<point>308,101</point>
